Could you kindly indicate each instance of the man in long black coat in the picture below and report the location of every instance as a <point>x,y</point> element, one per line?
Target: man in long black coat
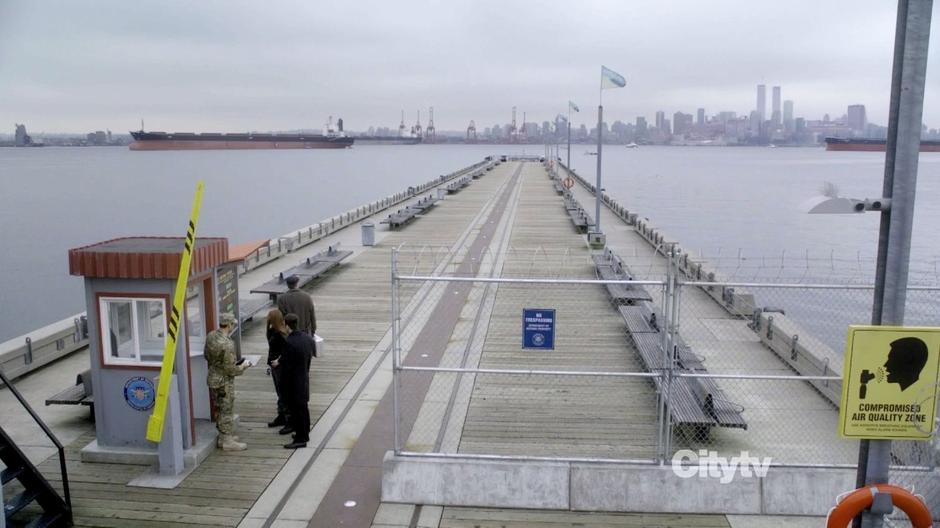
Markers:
<point>297,301</point>
<point>295,380</point>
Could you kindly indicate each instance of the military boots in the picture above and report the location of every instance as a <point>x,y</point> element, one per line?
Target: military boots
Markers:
<point>230,443</point>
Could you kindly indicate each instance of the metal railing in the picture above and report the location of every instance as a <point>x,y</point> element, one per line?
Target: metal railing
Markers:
<point>66,495</point>
<point>290,242</point>
<point>57,341</point>
<point>775,375</point>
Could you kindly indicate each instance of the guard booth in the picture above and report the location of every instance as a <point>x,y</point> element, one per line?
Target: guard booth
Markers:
<point>129,287</point>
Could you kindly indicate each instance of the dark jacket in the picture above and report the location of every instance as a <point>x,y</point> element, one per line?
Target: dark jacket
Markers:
<point>295,367</point>
<point>299,303</point>
<point>277,345</point>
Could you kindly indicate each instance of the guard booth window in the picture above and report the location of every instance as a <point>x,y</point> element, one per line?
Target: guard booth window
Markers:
<point>195,318</point>
<point>133,331</point>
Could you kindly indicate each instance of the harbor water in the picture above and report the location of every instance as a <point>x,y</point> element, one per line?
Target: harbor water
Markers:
<point>741,209</point>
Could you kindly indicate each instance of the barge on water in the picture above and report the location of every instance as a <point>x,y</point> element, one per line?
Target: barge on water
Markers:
<point>873,145</point>
<point>215,141</point>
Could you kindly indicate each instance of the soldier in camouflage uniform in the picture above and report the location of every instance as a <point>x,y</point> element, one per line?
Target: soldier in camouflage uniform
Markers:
<point>220,354</point>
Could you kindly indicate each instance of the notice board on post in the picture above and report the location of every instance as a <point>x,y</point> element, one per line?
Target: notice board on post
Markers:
<point>889,383</point>
<point>538,328</point>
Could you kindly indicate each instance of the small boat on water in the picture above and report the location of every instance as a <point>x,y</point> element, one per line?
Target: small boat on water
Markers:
<point>632,145</point>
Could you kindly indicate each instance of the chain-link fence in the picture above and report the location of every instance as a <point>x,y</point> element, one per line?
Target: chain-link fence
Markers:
<point>639,370</point>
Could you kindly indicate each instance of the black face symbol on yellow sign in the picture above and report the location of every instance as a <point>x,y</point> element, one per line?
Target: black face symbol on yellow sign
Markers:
<point>905,361</point>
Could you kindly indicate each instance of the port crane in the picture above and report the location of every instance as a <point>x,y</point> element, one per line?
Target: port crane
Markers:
<point>472,132</point>
<point>429,131</point>
<point>416,130</point>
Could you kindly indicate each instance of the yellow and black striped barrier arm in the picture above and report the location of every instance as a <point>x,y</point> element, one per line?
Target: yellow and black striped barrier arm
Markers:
<point>155,423</point>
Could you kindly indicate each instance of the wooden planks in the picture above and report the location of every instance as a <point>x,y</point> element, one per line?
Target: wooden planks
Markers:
<point>352,304</point>
<point>557,416</point>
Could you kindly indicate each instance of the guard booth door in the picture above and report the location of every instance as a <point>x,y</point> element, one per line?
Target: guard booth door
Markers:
<point>200,320</point>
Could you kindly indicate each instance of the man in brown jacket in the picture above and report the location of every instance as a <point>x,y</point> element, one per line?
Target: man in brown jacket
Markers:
<point>299,303</point>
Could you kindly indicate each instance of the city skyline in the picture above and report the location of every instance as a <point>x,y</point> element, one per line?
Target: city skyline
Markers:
<point>232,67</point>
<point>698,116</point>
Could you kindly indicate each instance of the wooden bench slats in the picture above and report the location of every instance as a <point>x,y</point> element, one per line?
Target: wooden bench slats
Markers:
<point>636,320</point>
<point>70,396</point>
<point>714,401</point>
<point>697,402</point>
<point>684,406</point>
<point>649,346</point>
<point>248,307</point>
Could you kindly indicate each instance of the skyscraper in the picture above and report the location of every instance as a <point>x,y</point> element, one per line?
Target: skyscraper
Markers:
<point>856,118</point>
<point>775,116</point>
<point>641,128</point>
<point>761,101</point>
<point>681,123</point>
<point>700,118</point>
<point>660,119</point>
<point>788,116</point>
<point>755,123</point>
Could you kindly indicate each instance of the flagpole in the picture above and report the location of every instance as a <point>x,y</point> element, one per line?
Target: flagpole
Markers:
<point>597,192</point>
<point>569,135</point>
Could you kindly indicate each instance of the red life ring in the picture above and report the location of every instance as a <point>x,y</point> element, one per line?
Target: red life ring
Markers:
<point>862,498</point>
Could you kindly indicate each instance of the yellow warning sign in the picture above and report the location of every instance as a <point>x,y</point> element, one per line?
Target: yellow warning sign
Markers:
<point>889,382</point>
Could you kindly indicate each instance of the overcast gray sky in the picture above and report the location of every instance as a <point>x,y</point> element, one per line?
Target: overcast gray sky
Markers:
<point>236,65</point>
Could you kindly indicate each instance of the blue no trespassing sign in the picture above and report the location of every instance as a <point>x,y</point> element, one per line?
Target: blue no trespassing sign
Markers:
<point>538,328</point>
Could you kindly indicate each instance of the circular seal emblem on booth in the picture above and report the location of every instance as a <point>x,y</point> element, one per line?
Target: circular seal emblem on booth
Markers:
<point>139,393</point>
<point>538,339</point>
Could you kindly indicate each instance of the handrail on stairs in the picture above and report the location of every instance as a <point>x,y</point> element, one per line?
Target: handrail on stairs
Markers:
<point>45,428</point>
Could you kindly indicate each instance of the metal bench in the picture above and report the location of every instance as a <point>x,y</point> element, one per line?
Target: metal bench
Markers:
<point>425,204</point>
<point>308,270</point>
<point>607,269</point>
<point>458,185</point>
<point>698,403</point>
<point>637,319</point>
<point>249,307</point>
<point>581,220</point>
<point>400,218</point>
<point>78,394</point>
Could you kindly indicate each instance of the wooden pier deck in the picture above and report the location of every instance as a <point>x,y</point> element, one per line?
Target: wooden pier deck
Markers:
<point>574,417</point>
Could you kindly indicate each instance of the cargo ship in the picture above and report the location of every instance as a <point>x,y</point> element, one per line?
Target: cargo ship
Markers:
<point>212,141</point>
<point>873,145</point>
<point>387,140</point>
<point>240,141</point>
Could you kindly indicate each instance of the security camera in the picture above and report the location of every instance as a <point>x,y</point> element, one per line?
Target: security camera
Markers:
<point>849,205</point>
<point>829,202</point>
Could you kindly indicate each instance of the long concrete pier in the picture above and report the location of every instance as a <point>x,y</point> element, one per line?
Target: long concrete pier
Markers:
<point>550,442</point>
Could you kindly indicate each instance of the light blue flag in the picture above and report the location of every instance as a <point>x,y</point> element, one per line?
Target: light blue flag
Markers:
<point>611,79</point>
<point>573,106</point>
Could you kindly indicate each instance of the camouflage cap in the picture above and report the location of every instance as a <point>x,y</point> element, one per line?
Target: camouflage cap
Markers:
<point>226,319</point>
